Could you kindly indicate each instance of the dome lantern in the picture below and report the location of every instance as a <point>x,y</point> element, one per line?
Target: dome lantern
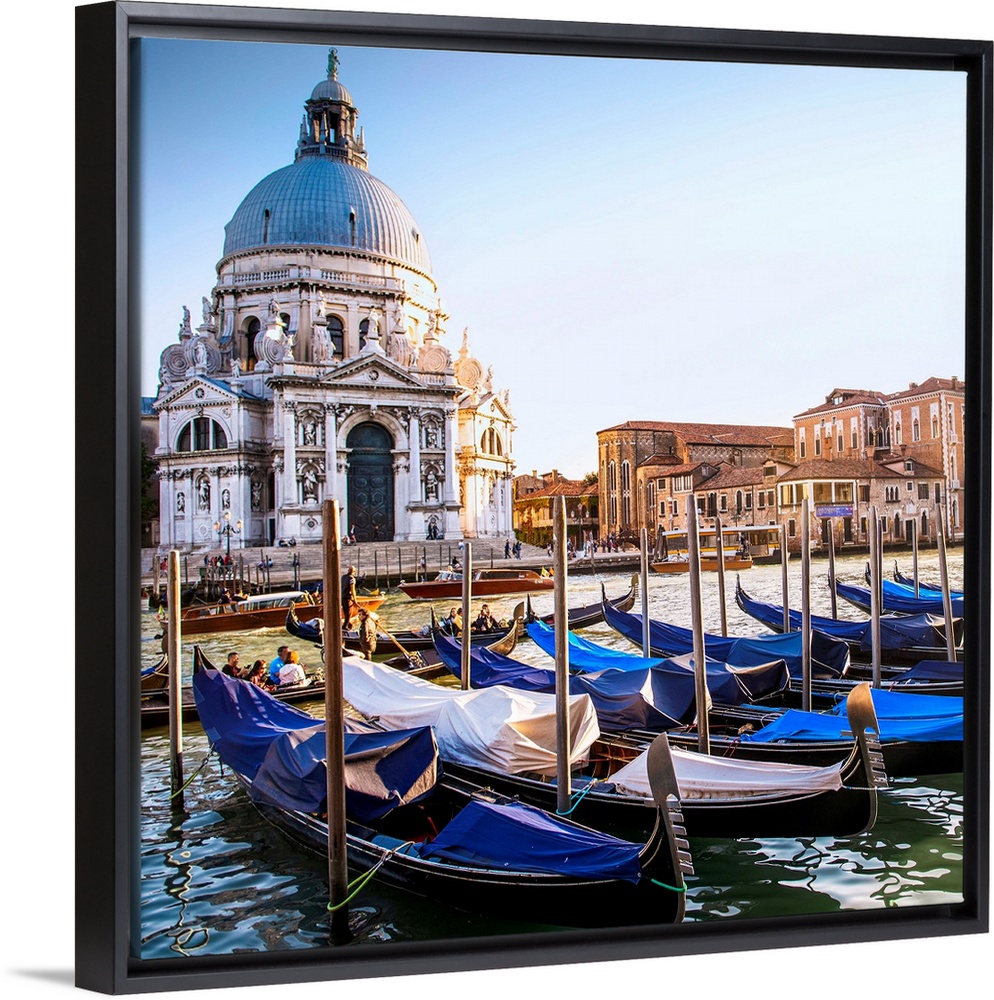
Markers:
<point>328,128</point>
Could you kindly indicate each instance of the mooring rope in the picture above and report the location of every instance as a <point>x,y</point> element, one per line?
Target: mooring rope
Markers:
<point>361,881</point>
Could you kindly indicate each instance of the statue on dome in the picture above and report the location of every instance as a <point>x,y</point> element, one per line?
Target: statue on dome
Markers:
<point>333,63</point>
<point>185,330</point>
<point>208,312</point>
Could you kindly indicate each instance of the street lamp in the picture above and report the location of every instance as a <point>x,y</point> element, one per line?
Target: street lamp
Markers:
<point>225,529</point>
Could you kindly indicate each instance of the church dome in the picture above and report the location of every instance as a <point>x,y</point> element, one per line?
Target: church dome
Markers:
<point>331,90</point>
<point>325,201</point>
<point>327,197</point>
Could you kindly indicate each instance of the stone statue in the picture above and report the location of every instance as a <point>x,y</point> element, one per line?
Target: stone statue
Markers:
<point>310,486</point>
<point>180,503</point>
<point>235,367</point>
<point>310,433</point>
<point>225,500</point>
<point>200,354</point>
<point>274,307</point>
<point>204,495</point>
<point>185,330</point>
<point>256,496</point>
<point>208,312</point>
<point>488,381</point>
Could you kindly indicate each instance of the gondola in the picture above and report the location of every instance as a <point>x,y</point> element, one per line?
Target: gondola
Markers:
<point>441,836</point>
<point>830,657</point>
<point>721,798</point>
<point>640,697</point>
<point>904,639</point>
<point>587,614</point>
<point>405,640</point>
<point>156,677</point>
<point>155,707</point>
<point>907,581</point>
<point>898,601</point>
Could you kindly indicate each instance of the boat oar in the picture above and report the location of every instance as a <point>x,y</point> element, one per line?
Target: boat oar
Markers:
<point>414,658</point>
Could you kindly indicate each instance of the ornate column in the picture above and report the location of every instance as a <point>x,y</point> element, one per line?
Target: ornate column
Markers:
<point>331,484</point>
<point>414,436</point>
<point>290,497</point>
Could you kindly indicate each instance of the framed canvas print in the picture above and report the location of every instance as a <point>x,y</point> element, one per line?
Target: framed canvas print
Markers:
<point>550,466</point>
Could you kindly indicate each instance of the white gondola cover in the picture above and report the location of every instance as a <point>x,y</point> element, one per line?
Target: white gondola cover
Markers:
<point>498,728</point>
<point>701,777</point>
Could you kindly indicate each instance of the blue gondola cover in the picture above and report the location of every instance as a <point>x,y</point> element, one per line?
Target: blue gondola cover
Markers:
<point>282,751</point>
<point>517,837</point>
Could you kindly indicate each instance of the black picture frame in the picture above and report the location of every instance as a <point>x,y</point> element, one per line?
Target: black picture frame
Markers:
<point>107,733</point>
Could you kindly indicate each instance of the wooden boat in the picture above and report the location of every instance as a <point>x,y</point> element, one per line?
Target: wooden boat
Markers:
<point>486,583</point>
<point>155,678</point>
<point>898,601</point>
<point>709,563</point>
<point>503,638</point>
<point>904,639</point>
<point>734,798</point>
<point>259,611</point>
<point>587,614</point>
<point>449,838</point>
<point>638,697</point>
<point>721,798</point>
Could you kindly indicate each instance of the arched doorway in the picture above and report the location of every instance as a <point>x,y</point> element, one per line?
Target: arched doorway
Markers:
<point>370,482</point>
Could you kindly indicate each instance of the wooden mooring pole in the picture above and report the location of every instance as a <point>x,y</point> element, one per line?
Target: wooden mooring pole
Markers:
<point>561,625</point>
<point>174,644</point>
<point>467,597</point>
<point>947,603</point>
<point>701,697</point>
<point>784,557</point>
<point>719,548</point>
<point>644,583</point>
<point>806,605</point>
<point>334,713</point>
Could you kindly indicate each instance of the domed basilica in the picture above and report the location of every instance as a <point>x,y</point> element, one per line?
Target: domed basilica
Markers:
<point>319,369</point>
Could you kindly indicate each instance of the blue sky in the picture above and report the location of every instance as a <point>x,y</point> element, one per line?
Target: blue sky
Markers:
<point>623,239</point>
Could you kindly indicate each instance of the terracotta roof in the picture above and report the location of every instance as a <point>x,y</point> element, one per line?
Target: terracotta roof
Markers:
<point>930,385</point>
<point>856,468</point>
<point>564,488</point>
<point>853,397</point>
<point>727,434</point>
<point>735,475</point>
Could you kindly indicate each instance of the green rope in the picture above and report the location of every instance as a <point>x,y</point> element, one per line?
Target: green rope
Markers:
<point>186,784</point>
<point>672,888</point>
<point>360,881</point>
<point>578,797</point>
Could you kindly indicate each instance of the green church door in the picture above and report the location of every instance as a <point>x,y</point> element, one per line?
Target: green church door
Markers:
<point>370,483</point>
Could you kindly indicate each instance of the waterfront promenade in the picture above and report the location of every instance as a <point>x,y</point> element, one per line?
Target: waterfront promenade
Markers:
<point>378,564</point>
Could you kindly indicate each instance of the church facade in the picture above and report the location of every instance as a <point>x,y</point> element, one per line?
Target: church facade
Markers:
<point>319,370</point>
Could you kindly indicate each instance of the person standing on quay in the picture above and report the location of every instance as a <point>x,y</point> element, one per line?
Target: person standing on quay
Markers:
<point>349,601</point>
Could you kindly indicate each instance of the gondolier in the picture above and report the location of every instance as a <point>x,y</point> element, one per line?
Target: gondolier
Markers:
<point>349,601</point>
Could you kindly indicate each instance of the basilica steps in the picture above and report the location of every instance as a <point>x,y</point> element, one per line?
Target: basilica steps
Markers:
<point>378,564</point>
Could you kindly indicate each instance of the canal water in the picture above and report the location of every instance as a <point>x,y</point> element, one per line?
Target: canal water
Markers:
<point>216,879</point>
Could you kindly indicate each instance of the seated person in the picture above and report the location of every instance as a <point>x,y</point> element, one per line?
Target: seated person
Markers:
<point>259,675</point>
<point>231,667</point>
<point>453,624</point>
<point>485,621</point>
<point>292,672</point>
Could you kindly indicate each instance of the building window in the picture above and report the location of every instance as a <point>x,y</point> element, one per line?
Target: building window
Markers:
<point>762,499</point>
<point>916,431</point>
<point>738,502</point>
<point>804,450</point>
<point>683,484</point>
<point>935,425</point>
<point>842,443</point>
<point>723,503</point>
<point>898,436</point>
<point>818,445</point>
<point>336,331</point>
<point>792,528</point>
<point>891,494</point>
<point>202,434</point>
<point>490,444</point>
<point>923,491</point>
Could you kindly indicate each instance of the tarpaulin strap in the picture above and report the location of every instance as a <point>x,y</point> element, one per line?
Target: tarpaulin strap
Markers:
<point>359,883</point>
<point>578,797</point>
<point>186,784</point>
